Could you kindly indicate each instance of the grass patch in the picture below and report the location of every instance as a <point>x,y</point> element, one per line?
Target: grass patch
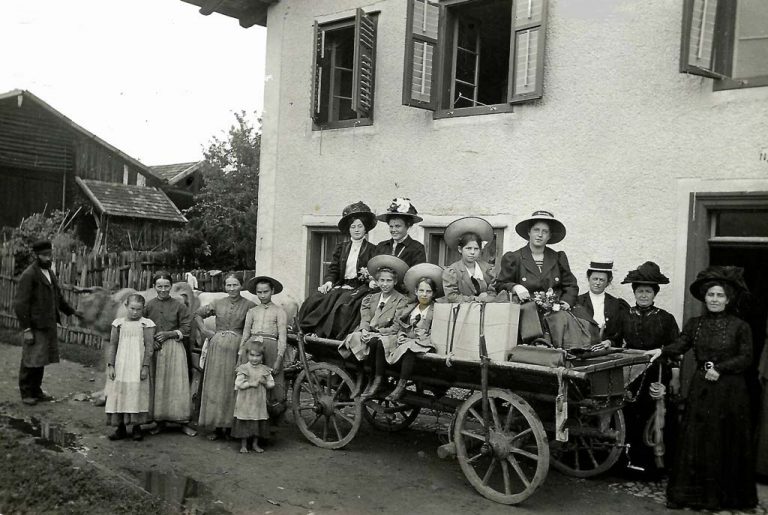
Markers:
<point>33,480</point>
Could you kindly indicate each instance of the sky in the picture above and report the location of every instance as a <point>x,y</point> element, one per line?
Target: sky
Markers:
<point>154,78</point>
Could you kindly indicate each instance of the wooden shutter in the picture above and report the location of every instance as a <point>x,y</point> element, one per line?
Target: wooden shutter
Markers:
<point>526,59</point>
<point>319,74</point>
<point>698,45</point>
<point>419,70</point>
<point>364,64</point>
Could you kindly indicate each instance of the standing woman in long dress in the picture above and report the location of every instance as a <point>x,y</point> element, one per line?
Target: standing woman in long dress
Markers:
<point>647,327</point>
<point>714,464</point>
<point>334,310</point>
<point>217,402</point>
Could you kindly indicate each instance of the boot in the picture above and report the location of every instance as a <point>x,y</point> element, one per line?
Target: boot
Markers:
<point>119,434</point>
<point>398,391</point>
<point>372,389</point>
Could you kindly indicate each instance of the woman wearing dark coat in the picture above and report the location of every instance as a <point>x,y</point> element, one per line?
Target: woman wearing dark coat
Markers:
<point>536,267</point>
<point>714,464</point>
<point>400,216</point>
<point>334,310</point>
<point>647,327</point>
<point>605,309</point>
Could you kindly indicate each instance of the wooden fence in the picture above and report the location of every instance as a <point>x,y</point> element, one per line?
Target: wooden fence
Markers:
<point>111,271</point>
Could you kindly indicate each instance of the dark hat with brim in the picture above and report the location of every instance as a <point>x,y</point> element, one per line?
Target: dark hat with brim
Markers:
<point>731,275</point>
<point>556,227</point>
<point>277,287</point>
<point>401,208</point>
<point>41,246</point>
<point>601,265</point>
<point>358,210</point>
<point>421,270</point>
<point>376,263</point>
<point>468,224</point>
<point>647,273</point>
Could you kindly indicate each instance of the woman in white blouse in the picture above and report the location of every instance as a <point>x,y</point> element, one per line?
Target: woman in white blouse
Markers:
<point>334,310</point>
<point>468,279</point>
<point>607,310</point>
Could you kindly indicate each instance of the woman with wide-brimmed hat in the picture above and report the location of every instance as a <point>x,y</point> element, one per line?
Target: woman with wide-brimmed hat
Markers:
<point>536,267</point>
<point>334,310</point>
<point>605,309</point>
<point>470,278</point>
<point>647,327</point>
<point>713,468</point>
<point>414,323</point>
<point>400,216</point>
<point>266,323</point>
<point>378,314</point>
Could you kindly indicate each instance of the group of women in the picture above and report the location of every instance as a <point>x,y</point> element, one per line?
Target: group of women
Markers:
<point>378,300</point>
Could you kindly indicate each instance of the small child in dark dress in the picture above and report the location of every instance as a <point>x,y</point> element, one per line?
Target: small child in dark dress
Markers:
<point>252,381</point>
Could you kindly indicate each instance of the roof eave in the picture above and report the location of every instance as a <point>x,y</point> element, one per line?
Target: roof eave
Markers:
<point>247,12</point>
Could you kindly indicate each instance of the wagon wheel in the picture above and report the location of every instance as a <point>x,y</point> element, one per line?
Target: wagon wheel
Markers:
<point>516,462</point>
<point>332,420</point>
<point>595,450</point>
<point>391,416</point>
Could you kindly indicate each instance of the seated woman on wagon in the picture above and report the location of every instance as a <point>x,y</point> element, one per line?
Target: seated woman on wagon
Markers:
<point>470,278</point>
<point>536,267</point>
<point>377,318</point>
<point>334,310</point>
<point>400,217</point>
<point>414,322</point>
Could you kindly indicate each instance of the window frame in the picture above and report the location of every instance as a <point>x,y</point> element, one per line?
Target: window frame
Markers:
<point>444,56</point>
<point>316,235</point>
<point>320,63</point>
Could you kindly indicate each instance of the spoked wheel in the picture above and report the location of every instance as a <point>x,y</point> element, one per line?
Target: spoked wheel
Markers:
<point>595,443</point>
<point>391,416</point>
<point>330,420</point>
<point>515,461</point>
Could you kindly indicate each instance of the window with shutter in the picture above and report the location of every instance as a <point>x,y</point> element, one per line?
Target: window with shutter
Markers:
<point>343,74</point>
<point>466,57</point>
<point>726,41</point>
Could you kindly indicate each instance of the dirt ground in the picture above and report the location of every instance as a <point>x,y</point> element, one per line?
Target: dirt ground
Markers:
<point>376,473</point>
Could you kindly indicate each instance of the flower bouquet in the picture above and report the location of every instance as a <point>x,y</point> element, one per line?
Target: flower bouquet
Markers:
<point>547,301</point>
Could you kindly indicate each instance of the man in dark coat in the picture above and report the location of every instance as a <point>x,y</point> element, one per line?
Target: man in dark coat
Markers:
<point>37,304</point>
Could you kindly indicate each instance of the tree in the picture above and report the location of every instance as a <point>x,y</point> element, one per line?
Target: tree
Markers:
<point>222,223</point>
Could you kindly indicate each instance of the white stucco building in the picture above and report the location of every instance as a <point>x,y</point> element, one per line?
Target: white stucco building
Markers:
<point>640,161</point>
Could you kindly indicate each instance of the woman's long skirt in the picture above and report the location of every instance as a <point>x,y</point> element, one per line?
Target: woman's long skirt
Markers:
<point>334,314</point>
<point>217,402</point>
<point>172,400</point>
<point>714,465</point>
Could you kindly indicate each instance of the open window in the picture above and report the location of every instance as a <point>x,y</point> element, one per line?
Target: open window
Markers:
<point>344,72</point>
<point>726,40</point>
<point>466,57</point>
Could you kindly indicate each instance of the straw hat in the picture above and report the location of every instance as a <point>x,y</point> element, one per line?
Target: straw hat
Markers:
<point>417,272</point>
<point>601,265</point>
<point>401,207</point>
<point>556,227</point>
<point>462,226</point>
<point>358,210</point>
<point>276,286</point>
<point>732,275</point>
<point>647,273</point>
<point>387,261</point>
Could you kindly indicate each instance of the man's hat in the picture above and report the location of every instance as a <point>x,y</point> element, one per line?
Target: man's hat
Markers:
<point>41,246</point>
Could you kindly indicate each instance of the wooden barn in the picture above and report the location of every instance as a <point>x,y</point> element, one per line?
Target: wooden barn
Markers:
<point>49,162</point>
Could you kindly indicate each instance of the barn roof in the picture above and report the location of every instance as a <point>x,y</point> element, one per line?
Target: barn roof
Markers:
<point>174,173</point>
<point>248,12</point>
<point>9,131</point>
<point>130,201</point>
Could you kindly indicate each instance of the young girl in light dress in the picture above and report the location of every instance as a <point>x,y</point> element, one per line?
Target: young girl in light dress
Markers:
<point>130,353</point>
<point>252,381</point>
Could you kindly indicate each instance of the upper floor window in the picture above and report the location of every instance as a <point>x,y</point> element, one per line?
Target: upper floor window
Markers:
<point>726,40</point>
<point>467,57</point>
<point>141,180</point>
<point>343,74</point>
